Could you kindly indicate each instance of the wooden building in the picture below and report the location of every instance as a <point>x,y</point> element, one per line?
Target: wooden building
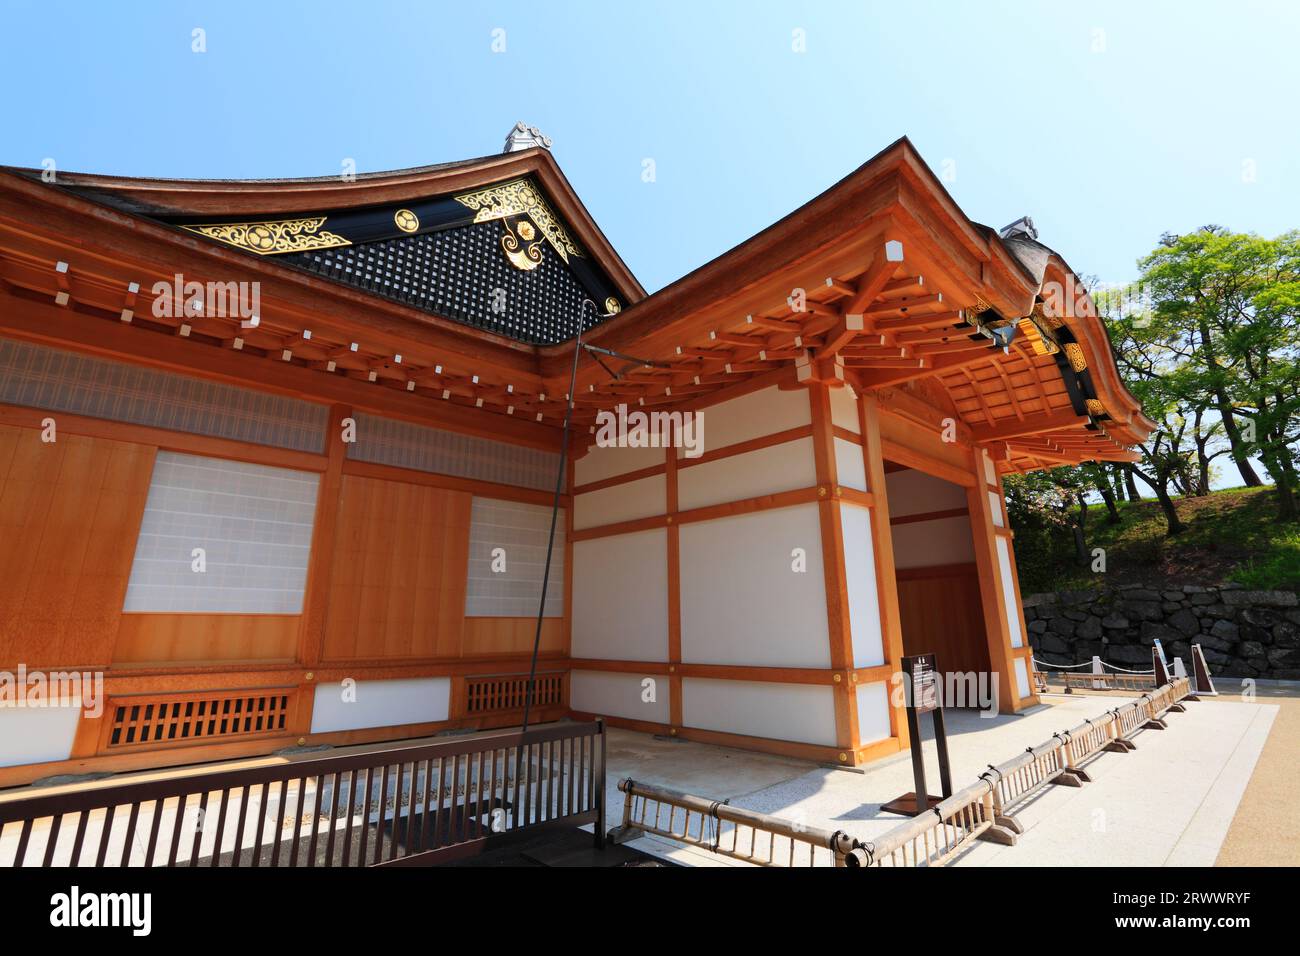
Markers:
<point>277,459</point>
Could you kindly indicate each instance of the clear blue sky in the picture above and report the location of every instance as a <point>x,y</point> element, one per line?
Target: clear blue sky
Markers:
<point>1107,122</point>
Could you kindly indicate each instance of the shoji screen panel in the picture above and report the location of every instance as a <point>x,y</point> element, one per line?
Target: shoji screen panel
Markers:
<point>69,513</point>
<point>386,441</point>
<point>520,532</point>
<point>40,377</point>
<point>397,588</point>
<point>507,560</point>
<point>253,524</point>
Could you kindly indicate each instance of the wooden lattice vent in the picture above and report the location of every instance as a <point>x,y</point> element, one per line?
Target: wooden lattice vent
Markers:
<point>503,692</point>
<point>189,718</point>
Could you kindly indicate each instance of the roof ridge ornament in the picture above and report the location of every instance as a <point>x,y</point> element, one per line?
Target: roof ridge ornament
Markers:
<point>523,136</point>
<point>1022,228</point>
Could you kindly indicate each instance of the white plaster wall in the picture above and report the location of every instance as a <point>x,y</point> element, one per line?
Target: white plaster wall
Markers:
<point>804,713</point>
<point>37,734</point>
<point>741,602</point>
<point>873,712</point>
<point>782,467</point>
<point>620,597</point>
<point>924,544</point>
<point>844,409</point>
<point>995,507</point>
<point>914,492</point>
<point>760,413</point>
<point>1022,678</point>
<point>990,470</point>
<point>601,463</point>
<point>626,502</point>
<point>381,703</point>
<point>850,468</point>
<point>619,695</point>
<point>860,577</point>
<point>1009,593</point>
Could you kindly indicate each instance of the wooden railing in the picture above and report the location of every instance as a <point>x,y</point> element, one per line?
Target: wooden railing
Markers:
<point>417,805</point>
<point>746,835</point>
<point>984,809</point>
<point>935,837</point>
<point>981,811</point>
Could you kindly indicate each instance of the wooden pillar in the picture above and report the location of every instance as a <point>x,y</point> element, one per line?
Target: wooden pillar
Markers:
<point>315,601</point>
<point>320,563</point>
<point>674,592</point>
<point>999,619</point>
<point>882,541</point>
<point>837,603</point>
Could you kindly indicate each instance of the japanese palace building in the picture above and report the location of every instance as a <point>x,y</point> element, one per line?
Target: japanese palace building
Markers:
<point>277,458</point>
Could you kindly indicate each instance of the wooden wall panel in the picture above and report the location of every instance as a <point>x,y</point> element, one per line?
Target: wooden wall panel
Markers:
<point>70,512</point>
<point>397,587</point>
<point>941,614</point>
<point>485,636</point>
<point>206,638</point>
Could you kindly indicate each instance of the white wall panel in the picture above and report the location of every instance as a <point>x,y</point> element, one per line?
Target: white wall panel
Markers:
<point>800,712</point>
<point>990,470</point>
<point>995,507</point>
<point>923,544</point>
<point>760,413</point>
<point>381,703</point>
<point>626,502</point>
<point>741,601</point>
<point>620,597</point>
<point>860,577</point>
<point>619,695</point>
<point>873,712</point>
<point>37,734</point>
<point>850,467</point>
<point>601,463</point>
<point>1009,592</point>
<point>782,467</point>
<point>1022,678</point>
<point>844,409</point>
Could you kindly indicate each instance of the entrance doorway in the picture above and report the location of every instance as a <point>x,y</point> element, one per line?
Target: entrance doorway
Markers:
<point>939,598</point>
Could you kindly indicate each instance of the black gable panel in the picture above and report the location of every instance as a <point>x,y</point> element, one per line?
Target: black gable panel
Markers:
<point>461,273</point>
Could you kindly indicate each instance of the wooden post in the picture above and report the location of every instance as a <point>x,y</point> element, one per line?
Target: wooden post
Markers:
<point>837,600</point>
<point>882,540</point>
<point>996,621</point>
<point>674,592</point>
<point>315,602</point>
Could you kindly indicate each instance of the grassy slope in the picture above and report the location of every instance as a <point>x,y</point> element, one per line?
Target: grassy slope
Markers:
<point>1230,536</point>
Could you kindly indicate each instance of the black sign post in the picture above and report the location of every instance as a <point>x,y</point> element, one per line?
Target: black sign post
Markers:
<point>922,672</point>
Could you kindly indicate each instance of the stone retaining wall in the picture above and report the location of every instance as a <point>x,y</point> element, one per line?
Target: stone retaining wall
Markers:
<point>1243,633</point>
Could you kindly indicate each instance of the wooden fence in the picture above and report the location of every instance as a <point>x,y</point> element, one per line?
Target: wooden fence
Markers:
<point>417,805</point>
<point>981,810</point>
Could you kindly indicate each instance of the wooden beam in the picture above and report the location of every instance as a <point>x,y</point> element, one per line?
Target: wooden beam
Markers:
<point>874,280</point>
<point>1031,425</point>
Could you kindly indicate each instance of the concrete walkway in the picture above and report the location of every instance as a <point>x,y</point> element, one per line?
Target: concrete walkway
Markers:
<point>1170,802</point>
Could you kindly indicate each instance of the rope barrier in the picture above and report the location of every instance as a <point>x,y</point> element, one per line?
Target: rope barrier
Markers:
<point>1061,666</point>
<point>1108,664</point>
<point>1124,670</point>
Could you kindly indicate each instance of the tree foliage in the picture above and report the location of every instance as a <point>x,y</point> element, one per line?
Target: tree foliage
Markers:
<point>1208,340</point>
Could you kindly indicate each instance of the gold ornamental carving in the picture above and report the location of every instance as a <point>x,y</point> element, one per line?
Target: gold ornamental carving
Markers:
<point>519,198</point>
<point>273,237</point>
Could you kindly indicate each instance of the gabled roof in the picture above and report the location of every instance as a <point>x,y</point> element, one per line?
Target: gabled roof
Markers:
<point>972,320</point>
<point>501,243</point>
